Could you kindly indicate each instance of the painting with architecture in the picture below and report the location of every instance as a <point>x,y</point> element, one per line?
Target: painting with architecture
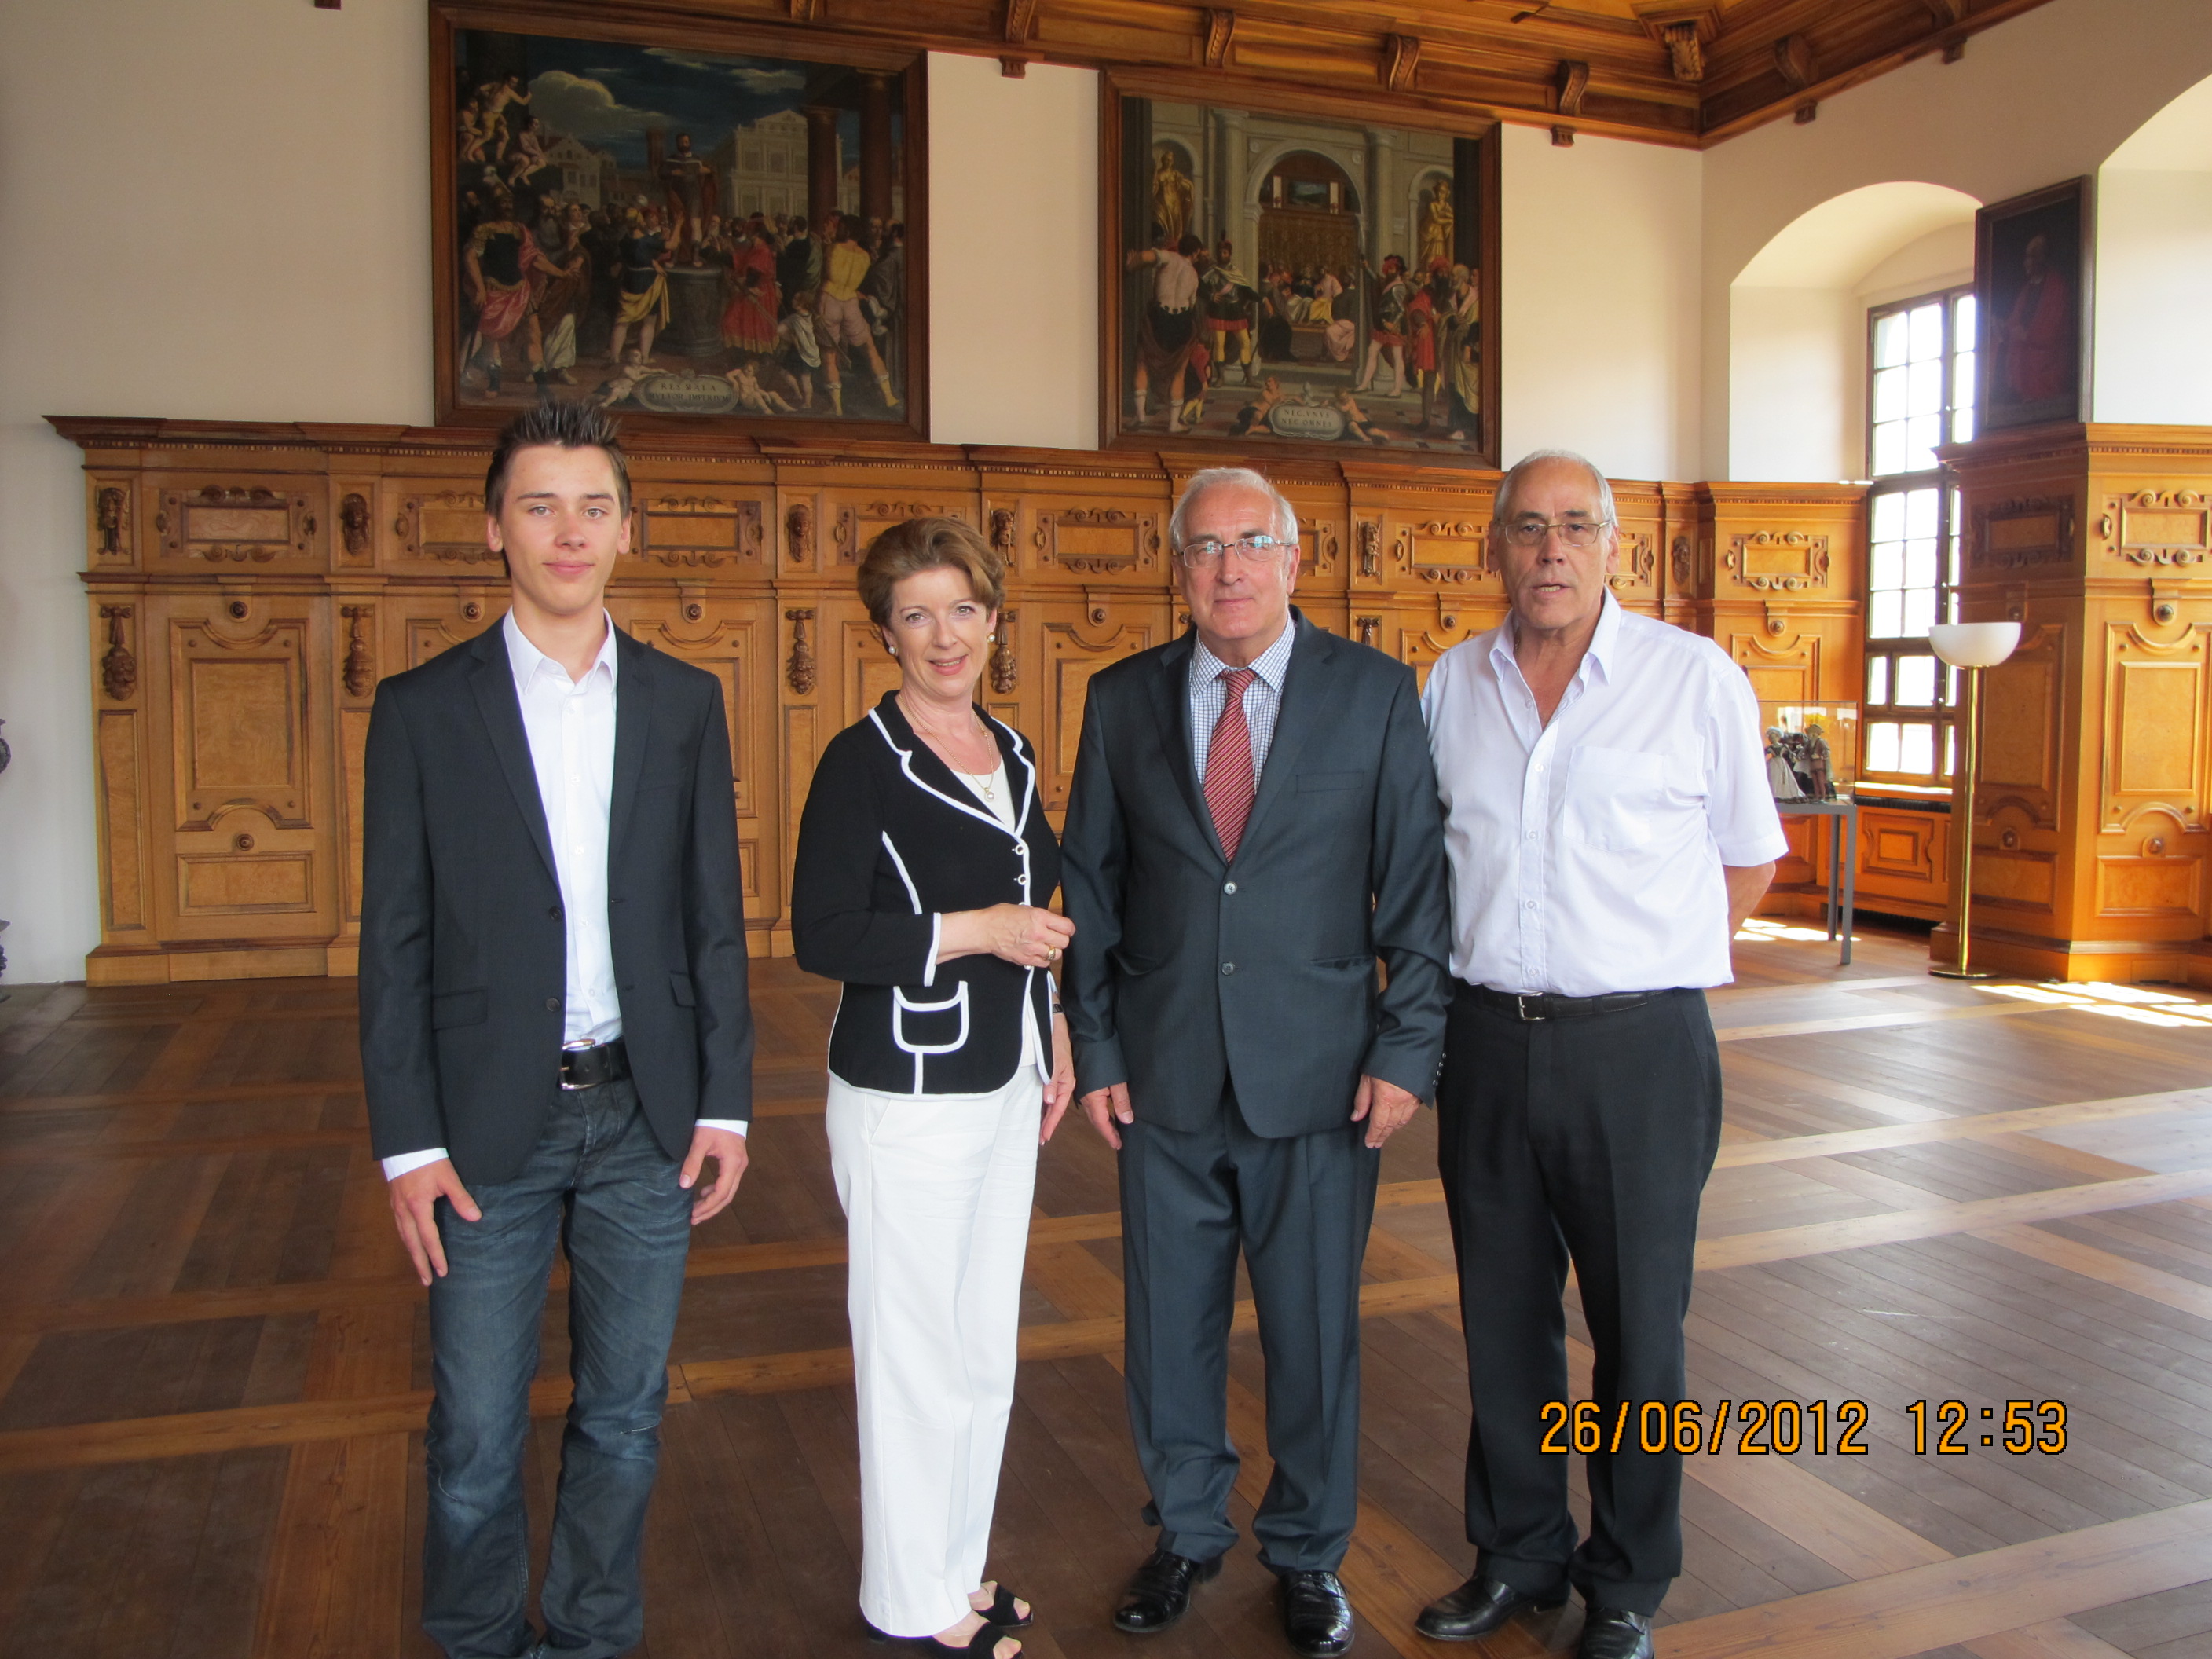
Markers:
<point>1294,282</point>
<point>672,232</point>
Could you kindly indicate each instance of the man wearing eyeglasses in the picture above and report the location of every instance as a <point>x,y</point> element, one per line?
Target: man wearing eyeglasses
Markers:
<point>1609,827</point>
<point>1254,820</point>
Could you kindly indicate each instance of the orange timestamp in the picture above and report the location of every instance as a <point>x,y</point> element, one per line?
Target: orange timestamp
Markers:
<point>1784,1426</point>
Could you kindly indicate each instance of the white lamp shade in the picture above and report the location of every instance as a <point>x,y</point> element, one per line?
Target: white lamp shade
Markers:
<point>1974,645</point>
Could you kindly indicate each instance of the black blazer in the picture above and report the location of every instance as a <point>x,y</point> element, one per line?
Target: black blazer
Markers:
<point>463,958</point>
<point>1188,973</point>
<point>889,841</point>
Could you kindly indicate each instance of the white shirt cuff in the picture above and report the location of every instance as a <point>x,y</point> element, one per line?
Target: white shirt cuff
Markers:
<point>396,1167</point>
<point>736,1126</point>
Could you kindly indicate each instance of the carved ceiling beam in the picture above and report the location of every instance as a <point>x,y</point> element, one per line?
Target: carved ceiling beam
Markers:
<point>1572,81</point>
<point>1685,27</point>
<point>1401,55</point>
<point>1793,57</point>
<point>1220,31</point>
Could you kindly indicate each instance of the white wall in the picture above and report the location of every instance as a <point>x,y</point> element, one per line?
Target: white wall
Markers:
<point>2153,327</point>
<point>1014,254</point>
<point>2044,96</point>
<point>1599,342</point>
<point>219,209</point>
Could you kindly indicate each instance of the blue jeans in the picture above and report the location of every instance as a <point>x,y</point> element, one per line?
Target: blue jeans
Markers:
<point>599,1183</point>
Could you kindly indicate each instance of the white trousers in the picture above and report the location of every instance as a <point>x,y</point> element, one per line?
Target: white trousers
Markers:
<point>936,1190</point>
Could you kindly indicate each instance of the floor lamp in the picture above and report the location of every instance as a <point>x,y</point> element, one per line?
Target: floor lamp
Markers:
<point>1970,647</point>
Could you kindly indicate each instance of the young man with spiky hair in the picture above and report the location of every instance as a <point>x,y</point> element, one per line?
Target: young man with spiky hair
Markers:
<point>555,1036</point>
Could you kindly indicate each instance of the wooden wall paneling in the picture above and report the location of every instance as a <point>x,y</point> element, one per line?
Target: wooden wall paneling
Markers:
<point>122,764</point>
<point>1640,582</point>
<point>2091,836</point>
<point>244,834</point>
<point>1905,861</point>
<point>743,560</point>
<point>733,636</point>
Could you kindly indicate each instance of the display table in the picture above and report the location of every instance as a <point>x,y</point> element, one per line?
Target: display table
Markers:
<point>1842,815</point>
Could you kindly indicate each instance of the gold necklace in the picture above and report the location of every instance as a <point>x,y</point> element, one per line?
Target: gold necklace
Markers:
<point>983,779</point>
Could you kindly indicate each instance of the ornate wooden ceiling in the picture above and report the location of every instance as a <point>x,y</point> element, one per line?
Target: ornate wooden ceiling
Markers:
<point>1685,72</point>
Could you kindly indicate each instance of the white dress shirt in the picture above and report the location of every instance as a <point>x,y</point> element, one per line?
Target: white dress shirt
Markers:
<point>1263,697</point>
<point>1586,854</point>
<point>570,725</point>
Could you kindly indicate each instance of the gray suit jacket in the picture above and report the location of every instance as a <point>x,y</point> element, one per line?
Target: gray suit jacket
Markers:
<point>1188,973</point>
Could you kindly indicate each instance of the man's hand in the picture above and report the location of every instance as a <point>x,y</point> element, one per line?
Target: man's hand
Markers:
<point>1106,1107</point>
<point>1386,1107</point>
<point>727,1148</point>
<point>1061,1089</point>
<point>414,1198</point>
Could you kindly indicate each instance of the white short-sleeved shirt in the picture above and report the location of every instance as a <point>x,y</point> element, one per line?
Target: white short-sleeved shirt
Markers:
<point>1586,854</point>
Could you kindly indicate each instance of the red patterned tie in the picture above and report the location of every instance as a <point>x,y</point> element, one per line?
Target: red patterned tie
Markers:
<point>1229,785</point>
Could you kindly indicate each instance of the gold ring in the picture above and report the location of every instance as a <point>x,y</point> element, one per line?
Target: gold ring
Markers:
<point>1053,955</point>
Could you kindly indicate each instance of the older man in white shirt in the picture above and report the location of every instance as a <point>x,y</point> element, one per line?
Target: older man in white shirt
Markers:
<point>1608,825</point>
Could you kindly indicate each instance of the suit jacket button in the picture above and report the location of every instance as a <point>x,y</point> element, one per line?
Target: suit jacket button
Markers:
<point>552,1004</point>
<point>1228,967</point>
<point>554,911</point>
<point>1228,886</point>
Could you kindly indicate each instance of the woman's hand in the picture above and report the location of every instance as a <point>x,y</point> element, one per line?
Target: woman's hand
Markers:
<point>1061,1089</point>
<point>1020,933</point>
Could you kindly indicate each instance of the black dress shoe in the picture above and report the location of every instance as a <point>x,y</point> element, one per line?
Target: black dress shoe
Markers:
<point>1316,1618</point>
<point>1480,1607</point>
<point>1160,1593</point>
<point>1616,1634</point>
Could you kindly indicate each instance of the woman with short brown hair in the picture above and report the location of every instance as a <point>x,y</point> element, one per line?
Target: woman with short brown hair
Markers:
<point>924,865</point>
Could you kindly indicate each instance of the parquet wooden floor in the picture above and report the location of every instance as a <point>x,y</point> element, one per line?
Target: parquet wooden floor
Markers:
<point>213,1361</point>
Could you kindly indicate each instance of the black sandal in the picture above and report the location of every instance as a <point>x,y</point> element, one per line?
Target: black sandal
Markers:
<point>982,1645</point>
<point>1000,1614</point>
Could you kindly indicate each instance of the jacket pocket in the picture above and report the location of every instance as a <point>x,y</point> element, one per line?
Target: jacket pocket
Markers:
<point>930,1028</point>
<point>679,987</point>
<point>1312,781</point>
<point>459,1008</point>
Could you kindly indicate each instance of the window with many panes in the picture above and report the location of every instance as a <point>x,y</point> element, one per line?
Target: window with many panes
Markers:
<point>1920,393</point>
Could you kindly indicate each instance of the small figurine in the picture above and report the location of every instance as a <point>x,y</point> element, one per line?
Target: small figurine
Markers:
<point>1780,779</point>
<point>1818,775</point>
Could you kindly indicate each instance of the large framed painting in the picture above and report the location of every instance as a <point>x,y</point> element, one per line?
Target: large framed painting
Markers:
<point>1279,281</point>
<point>2032,276</point>
<point>683,229</point>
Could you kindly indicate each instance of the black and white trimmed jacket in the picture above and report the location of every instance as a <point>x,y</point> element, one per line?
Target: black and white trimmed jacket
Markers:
<point>890,841</point>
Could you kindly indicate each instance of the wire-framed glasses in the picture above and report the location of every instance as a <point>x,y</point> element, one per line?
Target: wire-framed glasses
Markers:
<point>1575,532</point>
<point>1207,554</point>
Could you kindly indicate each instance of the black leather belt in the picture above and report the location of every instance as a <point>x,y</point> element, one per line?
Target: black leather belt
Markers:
<point>1542,1004</point>
<point>589,1065</point>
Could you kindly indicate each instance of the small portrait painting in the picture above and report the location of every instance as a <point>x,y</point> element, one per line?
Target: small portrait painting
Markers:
<point>2031,275</point>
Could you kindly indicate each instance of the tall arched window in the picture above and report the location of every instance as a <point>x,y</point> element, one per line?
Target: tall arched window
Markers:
<point>1920,394</point>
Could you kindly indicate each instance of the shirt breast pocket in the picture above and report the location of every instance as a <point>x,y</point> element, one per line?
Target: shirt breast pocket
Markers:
<point>1614,797</point>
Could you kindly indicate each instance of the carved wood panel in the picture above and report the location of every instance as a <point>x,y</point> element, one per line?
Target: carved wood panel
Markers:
<point>2156,720</point>
<point>230,525</point>
<point>1076,646</point>
<point>248,851</point>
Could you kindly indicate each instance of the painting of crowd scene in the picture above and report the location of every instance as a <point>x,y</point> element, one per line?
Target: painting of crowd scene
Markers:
<point>1290,280</point>
<point>676,232</point>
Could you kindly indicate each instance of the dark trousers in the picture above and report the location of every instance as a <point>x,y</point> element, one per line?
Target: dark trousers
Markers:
<point>1300,1208</point>
<point>1589,1138</point>
<point>600,1186</point>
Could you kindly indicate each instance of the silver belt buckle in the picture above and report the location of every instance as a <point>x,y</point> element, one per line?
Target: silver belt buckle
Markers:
<point>1521,1002</point>
<point>579,1047</point>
